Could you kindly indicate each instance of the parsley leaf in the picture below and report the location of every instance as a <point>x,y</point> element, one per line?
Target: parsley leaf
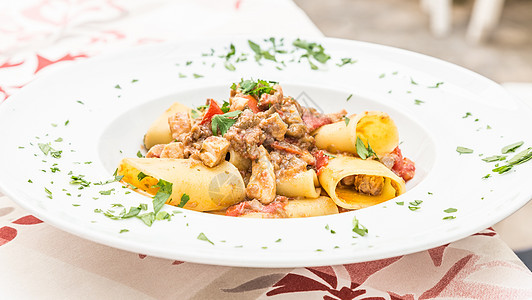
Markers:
<point>313,50</point>
<point>250,87</point>
<point>147,218</point>
<point>203,237</point>
<point>463,150</point>
<point>359,228</point>
<point>494,158</point>
<point>363,151</point>
<point>184,200</point>
<point>139,154</point>
<point>141,176</point>
<point>511,147</point>
<point>164,192</point>
<point>223,122</point>
<point>346,61</point>
<point>450,210</point>
<point>225,107</point>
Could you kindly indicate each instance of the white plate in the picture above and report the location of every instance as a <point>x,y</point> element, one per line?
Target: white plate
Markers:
<point>107,123</point>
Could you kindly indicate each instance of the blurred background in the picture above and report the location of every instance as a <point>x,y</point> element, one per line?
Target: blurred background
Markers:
<point>503,52</point>
<point>490,37</point>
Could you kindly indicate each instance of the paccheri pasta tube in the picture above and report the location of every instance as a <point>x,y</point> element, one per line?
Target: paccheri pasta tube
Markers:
<point>354,183</point>
<point>373,127</point>
<point>208,188</point>
<point>159,131</point>
<point>304,184</point>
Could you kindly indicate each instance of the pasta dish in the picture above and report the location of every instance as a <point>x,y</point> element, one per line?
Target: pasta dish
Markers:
<point>263,155</point>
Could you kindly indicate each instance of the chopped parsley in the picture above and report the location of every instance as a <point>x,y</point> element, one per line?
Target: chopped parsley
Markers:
<point>346,120</point>
<point>197,75</point>
<point>449,218</point>
<point>450,210</point>
<point>437,85</point>
<point>164,192</point>
<point>259,53</point>
<point>363,151</point>
<point>359,228</point>
<point>494,158</point>
<point>163,215</point>
<point>184,200</point>
<point>346,61</point>
<point>382,76</point>
<point>106,193</point>
<point>314,50</point>
<point>147,218</point>
<point>349,97</point>
<point>418,102</point>
<point>203,237</point>
<point>278,240</point>
<point>400,203</point>
<point>139,154</point>
<point>48,192</point>
<point>124,230</point>
<point>118,87</point>
<point>250,87</point>
<point>412,81</point>
<point>463,150</point>
<point>141,176</point>
<point>222,123</point>
<point>511,147</point>
<point>229,66</point>
<point>519,158</point>
<point>225,107</point>
<point>79,180</point>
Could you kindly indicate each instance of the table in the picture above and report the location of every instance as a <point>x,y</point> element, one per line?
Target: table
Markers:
<point>40,261</point>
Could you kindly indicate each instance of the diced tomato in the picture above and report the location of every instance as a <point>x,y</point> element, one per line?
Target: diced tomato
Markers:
<point>245,207</point>
<point>236,210</point>
<point>314,122</point>
<point>322,160</point>
<point>252,103</point>
<point>212,110</point>
<point>403,166</point>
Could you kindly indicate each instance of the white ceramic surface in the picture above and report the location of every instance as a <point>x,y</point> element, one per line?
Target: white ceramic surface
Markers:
<point>110,101</point>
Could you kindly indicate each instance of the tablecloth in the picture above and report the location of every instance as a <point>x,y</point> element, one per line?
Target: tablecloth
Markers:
<point>38,261</point>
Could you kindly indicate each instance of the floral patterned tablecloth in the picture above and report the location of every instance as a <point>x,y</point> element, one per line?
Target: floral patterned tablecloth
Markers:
<point>39,261</point>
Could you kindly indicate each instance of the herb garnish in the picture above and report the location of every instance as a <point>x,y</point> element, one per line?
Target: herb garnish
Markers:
<point>359,228</point>
<point>494,158</point>
<point>363,151</point>
<point>313,50</point>
<point>349,97</point>
<point>48,192</point>
<point>225,107</point>
<point>164,192</point>
<point>511,147</point>
<point>437,85</point>
<point>346,120</point>
<point>450,210</point>
<point>463,150</point>
<point>184,200</point>
<point>418,102</point>
<point>259,53</point>
<point>141,176</point>
<point>519,158</point>
<point>346,61</point>
<point>139,154</point>
<point>223,122</point>
<point>203,237</point>
<point>250,87</point>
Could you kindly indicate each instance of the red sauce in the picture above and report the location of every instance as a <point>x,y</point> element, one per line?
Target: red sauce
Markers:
<point>403,166</point>
<point>322,160</point>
